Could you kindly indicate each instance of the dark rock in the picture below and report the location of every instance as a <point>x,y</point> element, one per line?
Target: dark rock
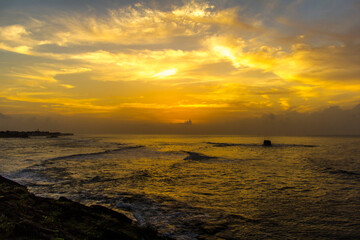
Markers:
<point>64,199</point>
<point>17,134</point>
<point>267,143</point>
<point>26,216</point>
<point>107,211</point>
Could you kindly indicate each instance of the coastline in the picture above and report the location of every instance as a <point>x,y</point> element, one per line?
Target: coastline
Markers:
<point>28,134</point>
<point>26,216</point>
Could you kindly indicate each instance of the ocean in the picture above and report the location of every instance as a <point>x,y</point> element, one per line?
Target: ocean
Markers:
<point>202,187</point>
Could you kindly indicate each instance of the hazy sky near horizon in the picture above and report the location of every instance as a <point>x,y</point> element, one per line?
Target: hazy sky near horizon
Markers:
<point>164,62</point>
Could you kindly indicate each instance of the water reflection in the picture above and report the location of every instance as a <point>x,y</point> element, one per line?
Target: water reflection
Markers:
<point>199,186</point>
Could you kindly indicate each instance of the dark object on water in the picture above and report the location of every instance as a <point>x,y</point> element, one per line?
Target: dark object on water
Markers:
<point>267,143</point>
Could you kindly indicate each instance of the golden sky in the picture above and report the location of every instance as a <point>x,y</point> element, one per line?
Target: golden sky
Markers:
<point>170,61</point>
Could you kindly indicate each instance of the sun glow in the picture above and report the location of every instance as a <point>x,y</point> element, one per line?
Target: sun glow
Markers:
<point>165,73</point>
<point>197,58</point>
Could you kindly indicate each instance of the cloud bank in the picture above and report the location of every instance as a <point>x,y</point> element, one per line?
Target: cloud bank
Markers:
<point>165,62</point>
<point>330,121</point>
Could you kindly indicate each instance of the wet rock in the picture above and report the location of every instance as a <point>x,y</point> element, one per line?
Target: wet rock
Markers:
<point>26,216</point>
<point>267,143</point>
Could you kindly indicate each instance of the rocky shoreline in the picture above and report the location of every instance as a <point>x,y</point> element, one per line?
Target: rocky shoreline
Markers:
<point>28,134</point>
<point>26,216</point>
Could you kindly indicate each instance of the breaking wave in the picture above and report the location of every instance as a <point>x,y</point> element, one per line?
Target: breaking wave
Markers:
<point>256,145</point>
<point>173,218</point>
<point>96,153</point>
<point>343,173</point>
<point>197,156</point>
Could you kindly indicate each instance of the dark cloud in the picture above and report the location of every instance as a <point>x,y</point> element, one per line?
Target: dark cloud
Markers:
<point>330,121</point>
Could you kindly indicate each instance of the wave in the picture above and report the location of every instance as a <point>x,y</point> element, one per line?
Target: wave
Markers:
<point>96,153</point>
<point>257,145</point>
<point>97,179</point>
<point>342,172</point>
<point>294,145</point>
<point>197,156</point>
<point>179,220</point>
<point>36,175</point>
<point>138,176</point>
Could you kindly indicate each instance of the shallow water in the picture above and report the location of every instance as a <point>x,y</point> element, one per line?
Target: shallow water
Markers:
<point>202,187</point>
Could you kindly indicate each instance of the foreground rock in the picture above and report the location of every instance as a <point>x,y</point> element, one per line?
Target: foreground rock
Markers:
<point>25,216</point>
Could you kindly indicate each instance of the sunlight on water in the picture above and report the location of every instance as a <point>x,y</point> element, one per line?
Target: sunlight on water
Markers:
<point>191,187</point>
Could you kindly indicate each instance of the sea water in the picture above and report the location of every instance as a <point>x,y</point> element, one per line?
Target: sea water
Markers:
<point>202,187</point>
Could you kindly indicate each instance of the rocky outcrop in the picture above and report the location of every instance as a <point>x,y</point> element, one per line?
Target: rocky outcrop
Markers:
<point>26,216</point>
<point>26,134</point>
<point>267,143</point>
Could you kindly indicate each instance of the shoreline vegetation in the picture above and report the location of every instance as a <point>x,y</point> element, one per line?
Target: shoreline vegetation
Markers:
<point>26,216</point>
<point>27,134</point>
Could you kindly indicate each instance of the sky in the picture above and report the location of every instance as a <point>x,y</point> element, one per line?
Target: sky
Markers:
<point>231,66</point>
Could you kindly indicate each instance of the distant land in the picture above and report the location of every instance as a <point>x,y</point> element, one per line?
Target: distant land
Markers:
<point>27,134</point>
